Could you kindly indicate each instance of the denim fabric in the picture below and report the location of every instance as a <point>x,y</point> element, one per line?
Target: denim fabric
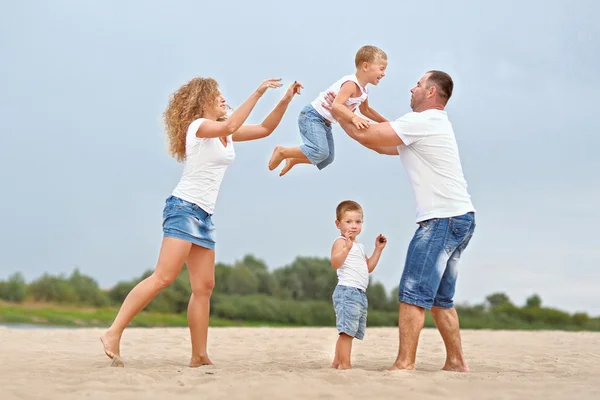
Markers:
<point>350,305</point>
<point>187,221</point>
<point>431,268</point>
<point>317,137</point>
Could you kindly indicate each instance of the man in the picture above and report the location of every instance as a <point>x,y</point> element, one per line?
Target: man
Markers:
<point>425,141</point>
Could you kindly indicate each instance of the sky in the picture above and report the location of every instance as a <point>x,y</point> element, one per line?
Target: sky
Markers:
<point>84,168</point>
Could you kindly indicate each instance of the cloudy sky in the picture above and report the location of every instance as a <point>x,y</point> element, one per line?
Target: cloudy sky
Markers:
<point>84,169</point>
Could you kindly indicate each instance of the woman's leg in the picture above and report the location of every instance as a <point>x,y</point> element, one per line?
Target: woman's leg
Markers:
<point>201,268</point>
<point>173,254</point>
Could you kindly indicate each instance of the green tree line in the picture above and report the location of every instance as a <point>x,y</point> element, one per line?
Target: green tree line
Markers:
<point>296,294</point>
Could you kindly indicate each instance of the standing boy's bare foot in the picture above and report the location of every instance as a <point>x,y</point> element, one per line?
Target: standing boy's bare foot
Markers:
<point>199,361</point>
<point>344,366</point>
<point>276,158</point>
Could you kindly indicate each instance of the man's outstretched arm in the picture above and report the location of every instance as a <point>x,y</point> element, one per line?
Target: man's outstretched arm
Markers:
<point>378,137</point>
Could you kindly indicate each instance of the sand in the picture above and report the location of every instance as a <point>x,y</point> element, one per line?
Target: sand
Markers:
<point>292,363</point>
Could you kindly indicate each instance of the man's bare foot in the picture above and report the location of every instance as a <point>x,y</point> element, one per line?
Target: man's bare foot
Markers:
<point>289,163</point>
<point>199,361</point>
<point>344,366</point>
<point>276,158</point>
<point>456,366</point>
<point>399,367</point>
<point>335,363</point>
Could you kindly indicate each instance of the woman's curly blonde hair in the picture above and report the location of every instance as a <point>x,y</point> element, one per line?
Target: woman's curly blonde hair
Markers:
<point>186,104</point>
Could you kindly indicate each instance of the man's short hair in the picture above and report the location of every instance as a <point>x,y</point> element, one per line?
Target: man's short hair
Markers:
<point>443,83</point>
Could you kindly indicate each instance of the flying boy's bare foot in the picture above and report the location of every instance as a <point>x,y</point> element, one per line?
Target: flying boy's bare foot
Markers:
<point>276,158</point>
<point>200,361</point>
<point>289,164</point>
<point>111,343</point>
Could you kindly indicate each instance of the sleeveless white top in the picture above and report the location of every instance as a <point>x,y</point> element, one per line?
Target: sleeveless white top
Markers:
<point>354,271</point>
<point>206,160</point>
<point>352,103</point>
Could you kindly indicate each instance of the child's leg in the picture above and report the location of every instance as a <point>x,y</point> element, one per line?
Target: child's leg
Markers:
<point>281,153</point>
<point>344,345</point>
<point>331,146</point>
<point>348,303</point>
<point>290,163</point>
<point>336,359</point>
<point>315,147</point>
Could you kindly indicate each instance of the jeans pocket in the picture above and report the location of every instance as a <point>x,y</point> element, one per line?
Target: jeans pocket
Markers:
<point>461,226</point>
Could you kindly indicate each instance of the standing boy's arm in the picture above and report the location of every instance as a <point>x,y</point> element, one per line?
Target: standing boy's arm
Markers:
<point>370,112</point>
<point>341,112</point>
<point>339,252</point>
<point>372,261</point>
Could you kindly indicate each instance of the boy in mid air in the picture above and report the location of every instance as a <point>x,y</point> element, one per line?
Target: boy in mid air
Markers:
<point>315,122</point>
<point>349,258</point>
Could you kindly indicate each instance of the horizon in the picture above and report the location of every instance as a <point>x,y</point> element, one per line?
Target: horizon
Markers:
<point>83,157</point>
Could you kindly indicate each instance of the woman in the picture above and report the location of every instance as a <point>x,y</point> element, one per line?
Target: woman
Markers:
<point>202,138</point>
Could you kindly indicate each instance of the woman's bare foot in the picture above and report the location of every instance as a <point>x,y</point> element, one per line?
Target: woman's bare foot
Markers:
<point>199,361</point>
<point>111,343</point>
<point>276,158</point>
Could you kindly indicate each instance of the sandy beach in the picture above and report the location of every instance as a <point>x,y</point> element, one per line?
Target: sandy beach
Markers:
<point>292,363</point>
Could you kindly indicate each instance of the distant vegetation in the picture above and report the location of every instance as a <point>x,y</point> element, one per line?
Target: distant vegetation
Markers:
<point>247,293</point>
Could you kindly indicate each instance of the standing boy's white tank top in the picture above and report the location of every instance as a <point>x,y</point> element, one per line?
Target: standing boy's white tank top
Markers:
<point>354,272</point>
<point>352,102</point>
<point>206,160</point>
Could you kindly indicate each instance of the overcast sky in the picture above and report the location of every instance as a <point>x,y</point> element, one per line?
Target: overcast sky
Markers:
<point>84,169</point>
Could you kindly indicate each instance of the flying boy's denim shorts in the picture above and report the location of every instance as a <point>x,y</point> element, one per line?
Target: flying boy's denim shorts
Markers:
<point>350,305</point>
<point>188,221</point>
<point>317,137</point>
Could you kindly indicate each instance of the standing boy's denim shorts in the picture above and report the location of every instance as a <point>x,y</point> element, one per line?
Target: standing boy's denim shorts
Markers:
<point>188,221</point>
<point>350,305</point>
<point>431,268</point>
<point>317,137</point>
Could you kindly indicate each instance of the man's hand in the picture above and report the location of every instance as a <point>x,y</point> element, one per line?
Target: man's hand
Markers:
<point>329,98</point>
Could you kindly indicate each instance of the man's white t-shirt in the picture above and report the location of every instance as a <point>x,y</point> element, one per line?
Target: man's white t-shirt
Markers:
<point>354,272</point>
<point>206,160</point>
<point>431,160</point>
